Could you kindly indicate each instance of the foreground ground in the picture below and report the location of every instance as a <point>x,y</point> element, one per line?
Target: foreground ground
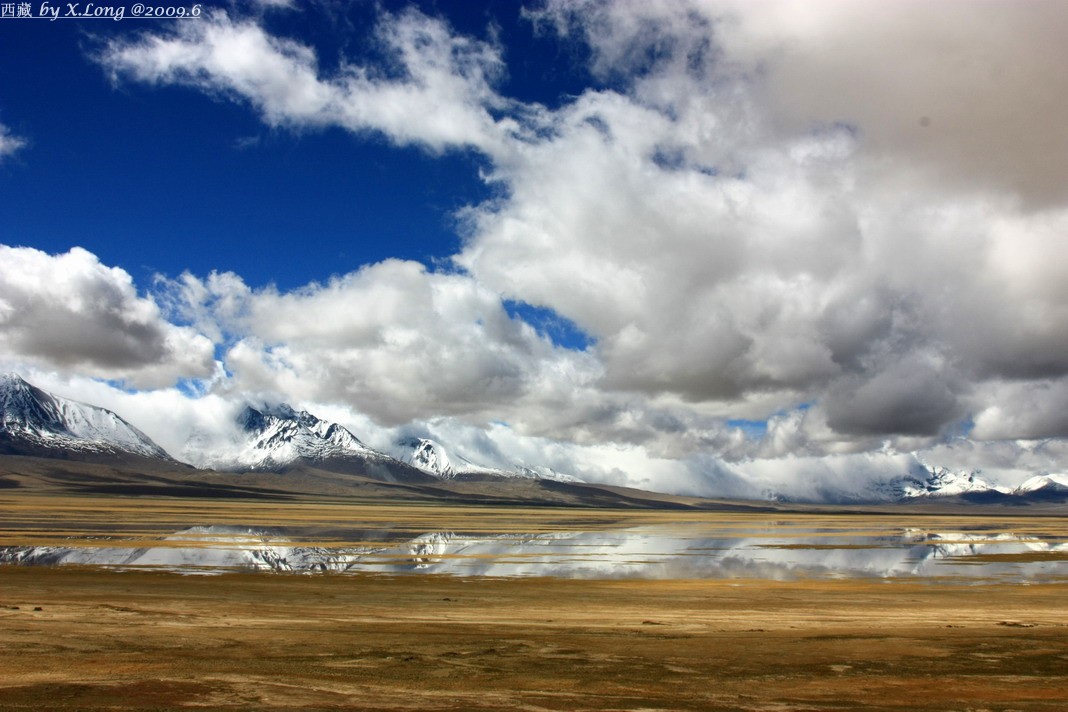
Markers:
<point>89,639</point>
<point>84,639</point>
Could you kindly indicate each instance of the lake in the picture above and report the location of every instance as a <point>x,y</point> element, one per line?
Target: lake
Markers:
<point>705,546</point>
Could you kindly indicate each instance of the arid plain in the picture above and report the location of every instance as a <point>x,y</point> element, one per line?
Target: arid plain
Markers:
<point>80,637</point>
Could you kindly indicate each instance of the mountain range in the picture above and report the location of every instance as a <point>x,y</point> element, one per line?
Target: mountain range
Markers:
<point>941,482</point>
<point>268,438</point>
<point>279,439</point>
<point>934,481</point>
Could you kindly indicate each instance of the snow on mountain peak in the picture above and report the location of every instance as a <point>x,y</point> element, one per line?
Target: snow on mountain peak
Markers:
<point>943,482</point>
<point>428,456</point>
<point>432,457</point>
<point>935,481</point>
<point>1050,484</point>
<point>275,436</point>
<point>28,408</point>
<point>37,419</point>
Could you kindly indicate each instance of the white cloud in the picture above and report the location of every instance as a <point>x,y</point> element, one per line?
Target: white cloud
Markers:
<point>696,283</point>
<point>272,4</point>
<point>723,234</point>
<point>436,94</point>
<point>70,311</point>
<point>9,143</point>
<point>955,92</point>
<point>1022,410</point>
<point>393,340</point>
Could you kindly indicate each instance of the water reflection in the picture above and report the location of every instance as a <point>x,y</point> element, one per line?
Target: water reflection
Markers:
<point>659,552</point>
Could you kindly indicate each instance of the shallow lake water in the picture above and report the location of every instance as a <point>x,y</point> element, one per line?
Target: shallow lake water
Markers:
<point>758,549</point>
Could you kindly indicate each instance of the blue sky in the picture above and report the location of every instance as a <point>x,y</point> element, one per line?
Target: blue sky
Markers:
<point>167,179</point>
<point>739,246</point>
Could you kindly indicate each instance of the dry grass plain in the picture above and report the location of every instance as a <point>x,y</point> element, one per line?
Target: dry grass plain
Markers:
<point>87,639</point>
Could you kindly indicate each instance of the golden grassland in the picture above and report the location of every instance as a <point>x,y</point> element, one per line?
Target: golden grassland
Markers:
<point>74,638</point>
<point>85,639</point>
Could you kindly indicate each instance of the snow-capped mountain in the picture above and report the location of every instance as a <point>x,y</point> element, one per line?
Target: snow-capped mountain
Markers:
<point>934,482</point>
<point>35,422</point>
<point>1044,486</point>
<point>432,457</point>
<point>943,482</point>
<point>920,482</point>
<point>272,438</point>
<point>279,435</point>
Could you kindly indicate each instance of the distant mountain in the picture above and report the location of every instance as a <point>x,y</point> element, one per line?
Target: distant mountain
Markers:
<point>279,435</point>
<point>276,438</point>
<point>279,439</point>
<point>36,423</point>
<point>922,482</point>
<point>1044,487</point>
<point>943,482</point>
<point>940,482</point>
<point>431,457</point>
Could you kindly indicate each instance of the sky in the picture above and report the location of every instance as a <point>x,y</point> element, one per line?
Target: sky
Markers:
<point>702,246</point>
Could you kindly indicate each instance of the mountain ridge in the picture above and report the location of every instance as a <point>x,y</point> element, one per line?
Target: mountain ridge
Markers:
<point>937,481</point>
<point>434,458</point>
<point>276,438</point>
<point>34,421</point>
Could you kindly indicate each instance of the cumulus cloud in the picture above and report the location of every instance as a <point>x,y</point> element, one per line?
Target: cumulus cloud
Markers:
<point>71,311</point>
<point>693,282</point>
<point>910,397</point>
<point>394,340</point>
<point>963,94</point>
<point>9,143</point>
<point>435,93</point>
<point>724,232</point>
<point>1026,410</point>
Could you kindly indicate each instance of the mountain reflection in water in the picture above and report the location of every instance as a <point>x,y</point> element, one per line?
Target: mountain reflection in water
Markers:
<point>681,551</point>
